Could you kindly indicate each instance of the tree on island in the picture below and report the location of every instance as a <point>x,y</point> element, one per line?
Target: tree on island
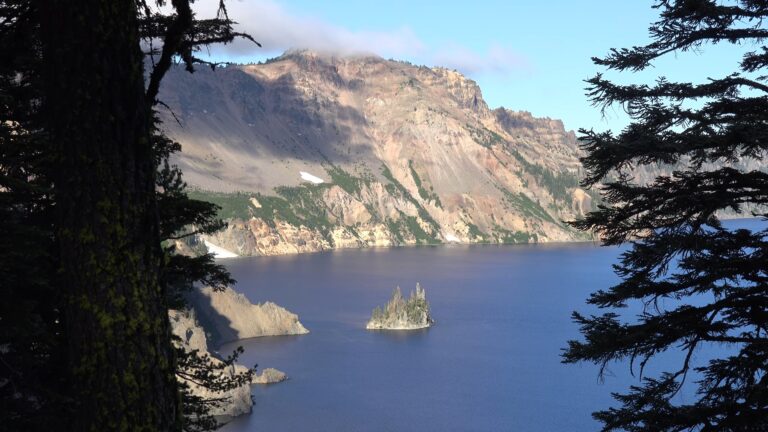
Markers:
<point>698,284</point>
<point>401,313</point>
<point>91,207</point>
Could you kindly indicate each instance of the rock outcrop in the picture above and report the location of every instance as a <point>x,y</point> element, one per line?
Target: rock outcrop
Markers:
<point>192,337</point>
<point>402,314</point>
<point>407,154</point>
<point>269,376</point>
<point>228,316</point>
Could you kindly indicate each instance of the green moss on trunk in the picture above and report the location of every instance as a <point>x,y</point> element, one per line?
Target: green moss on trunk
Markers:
<point>121,363</point>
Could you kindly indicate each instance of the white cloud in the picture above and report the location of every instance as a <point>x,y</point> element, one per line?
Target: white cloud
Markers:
<point>277,30</point>
<point>497,59</point>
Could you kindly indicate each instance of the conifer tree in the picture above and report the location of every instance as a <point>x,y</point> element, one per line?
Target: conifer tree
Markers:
<point>32,391</point>
<point>182,218</point>
<point>701,288</point>
<point>84,172</point>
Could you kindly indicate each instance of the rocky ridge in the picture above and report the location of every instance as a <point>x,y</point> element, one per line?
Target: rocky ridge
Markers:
<point>407,155</point>
<point>229,316</point>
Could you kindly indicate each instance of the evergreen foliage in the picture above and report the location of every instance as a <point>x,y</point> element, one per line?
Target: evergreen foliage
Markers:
<point>699,284</point>
<point>557,183</point>
<point>402,313</point>
<point>351,184</point>
<point>396,188</point>
<point>32,384</point>
<point>231,205</point>
<point>91,349</point>
<point>423,193</point>
<point>182,217</point>
<point>476,234</point>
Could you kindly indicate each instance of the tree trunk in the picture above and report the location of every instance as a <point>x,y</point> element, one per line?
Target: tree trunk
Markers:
<point>121,362</point>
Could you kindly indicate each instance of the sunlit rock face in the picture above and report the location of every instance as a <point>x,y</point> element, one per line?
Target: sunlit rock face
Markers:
<point>310,152</point>
<point>228,316</point>
<point>402,314</point>
<point>192,337</point>
<point>269,376</point>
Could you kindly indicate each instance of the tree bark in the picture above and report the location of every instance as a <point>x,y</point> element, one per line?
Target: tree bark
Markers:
<point>121,363</point>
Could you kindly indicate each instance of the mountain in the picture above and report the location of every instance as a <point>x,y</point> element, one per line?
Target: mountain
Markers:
<point>406,155</point>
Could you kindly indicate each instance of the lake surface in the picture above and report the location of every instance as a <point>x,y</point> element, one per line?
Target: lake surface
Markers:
<point>490,363</point>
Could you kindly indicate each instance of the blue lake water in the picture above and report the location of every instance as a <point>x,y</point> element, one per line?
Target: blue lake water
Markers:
<point>490,363</point>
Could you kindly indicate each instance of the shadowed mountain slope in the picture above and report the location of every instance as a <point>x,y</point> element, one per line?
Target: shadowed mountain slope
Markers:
<point>408,154</point>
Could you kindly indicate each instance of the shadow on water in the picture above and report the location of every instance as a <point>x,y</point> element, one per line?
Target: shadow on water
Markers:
<point>266,342</point>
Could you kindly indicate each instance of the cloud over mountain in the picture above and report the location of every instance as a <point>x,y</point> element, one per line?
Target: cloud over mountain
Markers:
<point>278,29</point>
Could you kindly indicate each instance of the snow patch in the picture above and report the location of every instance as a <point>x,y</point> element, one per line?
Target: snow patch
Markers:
<point>219,252</point>
<point>310,178</point>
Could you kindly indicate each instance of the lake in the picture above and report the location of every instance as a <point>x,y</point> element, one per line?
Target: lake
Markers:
<point>490,363</point>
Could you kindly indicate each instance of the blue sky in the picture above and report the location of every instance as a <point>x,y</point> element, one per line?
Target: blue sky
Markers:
<point>526,55</point>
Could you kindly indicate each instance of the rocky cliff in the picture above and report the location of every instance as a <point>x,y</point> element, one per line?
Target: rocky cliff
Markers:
<point>228,316</point>
<point>402,314</point>
<point>192,337</point>
<point>269,376</point>
<point>310,152</point>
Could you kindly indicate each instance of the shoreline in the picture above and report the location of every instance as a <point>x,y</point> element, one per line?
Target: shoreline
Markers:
<point>408,246</point>
<point>595,242</point>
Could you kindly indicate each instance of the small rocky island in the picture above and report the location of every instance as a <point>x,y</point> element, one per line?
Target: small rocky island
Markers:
<point>402,314</point>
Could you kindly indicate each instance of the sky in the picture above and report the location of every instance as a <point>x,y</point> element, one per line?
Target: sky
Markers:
<point>525,55</point>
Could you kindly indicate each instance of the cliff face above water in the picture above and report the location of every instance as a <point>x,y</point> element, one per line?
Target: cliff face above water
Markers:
<point>406,155</point>
<point>229,316</point>
<point>192,337</point>
<point>402,314</point>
